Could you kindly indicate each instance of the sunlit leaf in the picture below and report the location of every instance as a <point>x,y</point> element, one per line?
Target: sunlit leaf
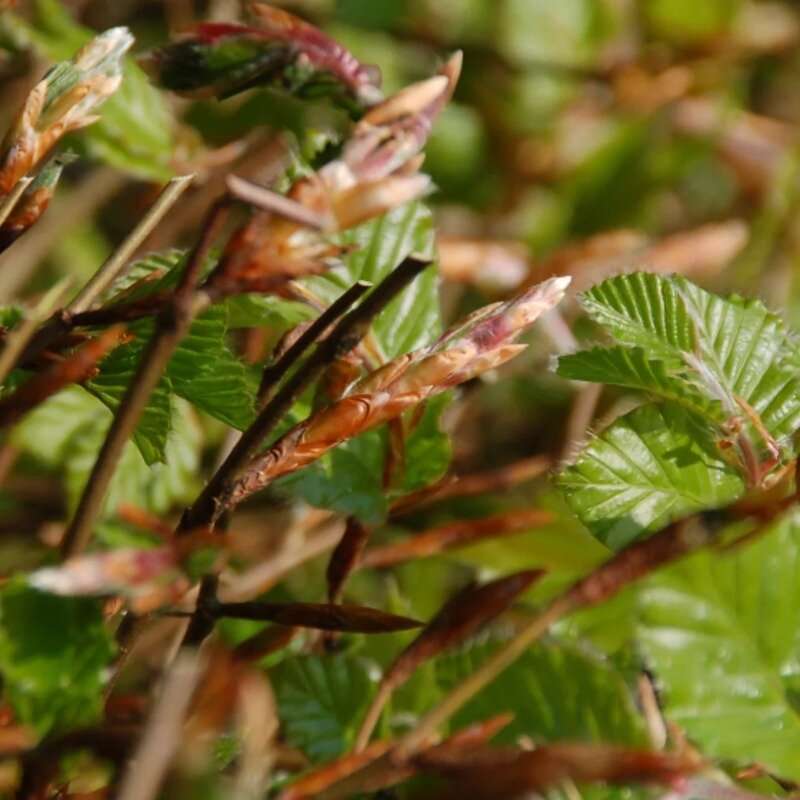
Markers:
<point>653,465</point>
<point>721,632</point>
<point>725,349</point>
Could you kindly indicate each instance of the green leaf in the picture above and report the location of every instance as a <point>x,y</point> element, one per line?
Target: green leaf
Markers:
<point>349,479</point>
<point>631,368</point>
<point>556,692</point>
<point>266,311</point>
<point>427,447</point>
<point>722,632</point>
<point>65,433</point>
<point>642,309</point>
<point>157,488</point>
<point>727,349</point>
<point>413,318</point>
<point>50,430</point>
<point>205,372</point>
<point>321,701</point>
<point>111,384</point>
<point>54,653</point>
<point>653,465</point>
<point>203,369</point>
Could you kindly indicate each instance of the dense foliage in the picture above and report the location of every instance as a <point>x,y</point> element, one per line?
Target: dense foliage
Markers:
<point>418,429</point>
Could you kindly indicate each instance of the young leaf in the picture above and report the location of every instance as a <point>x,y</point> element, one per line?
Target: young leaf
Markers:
<point>721,631</point>
<point>653,465</point>
<point>632,368</point>
<point>723,349</point>
<point>50,644</point>
<point>321,701</point>
<point>555,691</point>
<point>134,132</point>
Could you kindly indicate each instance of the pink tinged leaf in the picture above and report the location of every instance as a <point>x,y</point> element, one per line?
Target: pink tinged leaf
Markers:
<point>149,578</point>
<point>322,51</point>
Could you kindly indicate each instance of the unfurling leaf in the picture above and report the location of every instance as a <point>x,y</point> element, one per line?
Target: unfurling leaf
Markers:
<point>292,236</point>
<point>64,100</point>
<point>281,50</point>
<point>479,343</point>
<point>725,370</point>
<point>322,616</point>
<point>146,578</point>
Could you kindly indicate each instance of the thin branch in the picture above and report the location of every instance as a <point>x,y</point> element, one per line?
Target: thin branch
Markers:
<point>115,263</point>
<point>343,338</point>
<point>162,737</point>
<point>172,324</point>
<point>275,372</point>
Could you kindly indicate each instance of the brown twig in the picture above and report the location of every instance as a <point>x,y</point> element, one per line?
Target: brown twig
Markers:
<point>172,324</point>
<point>275,372</point>
<point>342,339</point>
